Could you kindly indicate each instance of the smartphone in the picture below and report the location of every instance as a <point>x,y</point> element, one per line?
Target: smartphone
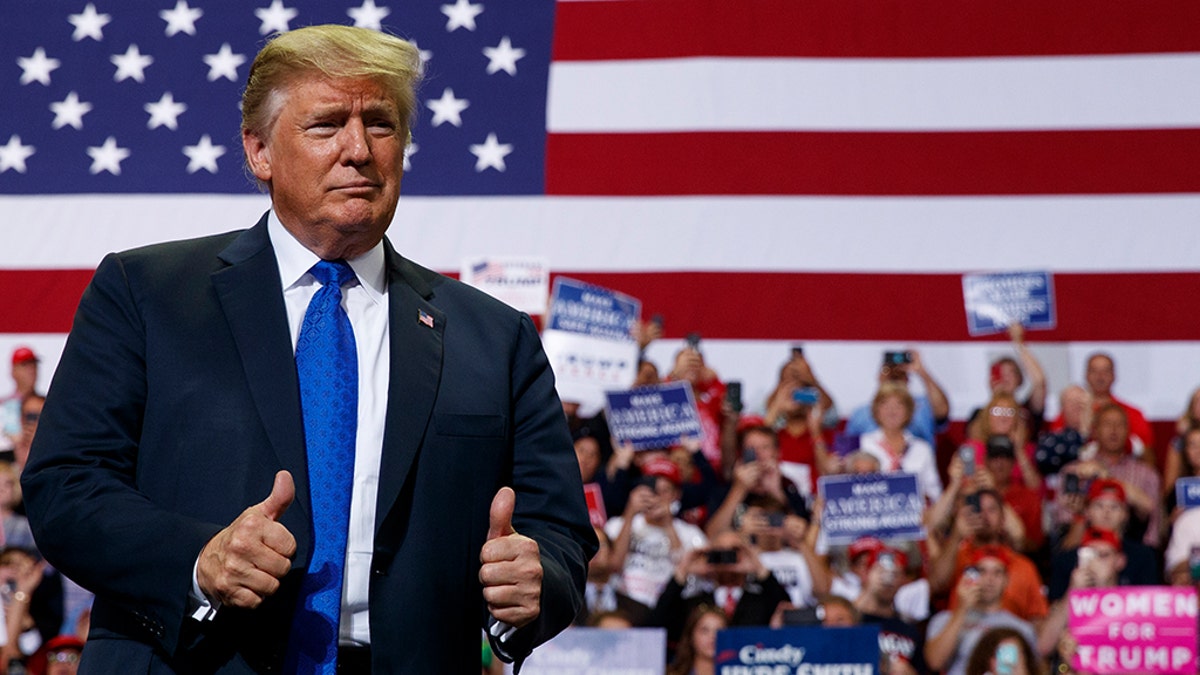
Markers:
<point>1006,659</point>
<point>806,395</point>
<point>722,556</point>
<point>897,358</point>
<point>971,573</point>
<point>775,519</point>
<point>1086,555</point>
<point>973,502</point>
<point>693,340</point>
<point>797,351</point>
<point>748,456</point>
<point>733,394</point>
<point>1194,563</point>
<point>657,320</point>
<point>966,454</point>
<point>650,482</point>
<point>1071,484</point>
<point>805,616</point>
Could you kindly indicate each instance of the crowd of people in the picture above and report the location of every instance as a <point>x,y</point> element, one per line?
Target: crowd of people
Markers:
<point>1019,510</point>
<point>725,530</point>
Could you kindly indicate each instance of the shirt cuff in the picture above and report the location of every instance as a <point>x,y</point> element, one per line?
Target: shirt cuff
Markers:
<point>200,607</point>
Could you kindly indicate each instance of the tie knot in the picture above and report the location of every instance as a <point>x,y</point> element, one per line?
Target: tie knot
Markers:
<point>336,272</point>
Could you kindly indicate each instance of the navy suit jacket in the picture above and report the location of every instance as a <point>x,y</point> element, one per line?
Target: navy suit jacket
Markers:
<point>175,403</point>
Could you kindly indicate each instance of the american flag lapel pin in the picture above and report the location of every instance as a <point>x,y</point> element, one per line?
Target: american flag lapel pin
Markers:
<point>424,318</point>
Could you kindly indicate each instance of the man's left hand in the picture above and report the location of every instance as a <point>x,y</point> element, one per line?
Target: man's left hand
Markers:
<point>511,571</point>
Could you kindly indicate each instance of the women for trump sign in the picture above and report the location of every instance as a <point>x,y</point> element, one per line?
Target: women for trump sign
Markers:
<point>1136,629</point>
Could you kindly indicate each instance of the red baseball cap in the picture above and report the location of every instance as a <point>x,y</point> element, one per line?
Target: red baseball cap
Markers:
<point>23,354</point>
<point>663,468</point>
<point>990,551</point>
<point>1100,486</point>
<point>1095,535</point>
<point>865,545</point>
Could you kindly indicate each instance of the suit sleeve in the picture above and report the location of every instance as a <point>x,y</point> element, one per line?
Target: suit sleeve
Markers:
<point>81,483</point>
<point>550,507</point>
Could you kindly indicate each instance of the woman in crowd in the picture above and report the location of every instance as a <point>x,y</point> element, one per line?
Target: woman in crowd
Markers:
<point>894,446</point>
<point>1002,417</point>
<point>1002,651</point>
<point>1176,463</point>
<point>698,646</point>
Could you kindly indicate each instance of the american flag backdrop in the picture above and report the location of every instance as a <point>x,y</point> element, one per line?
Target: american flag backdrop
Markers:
<point>762,172</point>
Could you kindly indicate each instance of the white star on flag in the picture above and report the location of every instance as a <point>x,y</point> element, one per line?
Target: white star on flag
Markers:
<point>203,155</point>
<point>503,57</point>
<point>107,157</point>
<point>491,153</point>
<point>368,15</point>
<point>69,112</point>
<point>165,112</point>
<point>37,67</point>
<point>223,64</point>
<point>13,155</point>
<point>461,15</point>
<point>131,64</point>
<point>275,18</point>
<point>447,108</point>
<point>181,19</point>
<point>89,24</point>
<point>409,152</point>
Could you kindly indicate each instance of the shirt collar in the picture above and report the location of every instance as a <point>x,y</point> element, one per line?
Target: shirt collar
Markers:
<point>295,261</point>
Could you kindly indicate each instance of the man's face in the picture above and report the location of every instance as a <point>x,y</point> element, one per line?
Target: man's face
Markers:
<point>763,446</point>
<point>1106,512</point>
<point>993,578</point>
<point>1100,375</point>
<point>1074,405</point>
<point>884,579</point>
<point>25,375</point>
<point>1008,380</point>
<point>1112,432</point>
<point>333,159</point>
<point>1105,562</point>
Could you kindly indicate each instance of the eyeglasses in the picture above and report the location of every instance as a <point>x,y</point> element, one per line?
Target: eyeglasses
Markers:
<point>62,657</point>
<point>1000,411</point>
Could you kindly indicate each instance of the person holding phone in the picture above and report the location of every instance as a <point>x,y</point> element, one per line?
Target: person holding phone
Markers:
<point>709,392</point>
<point>1003,651</point>
<point>931,412</point>
<point>897,449</point>
<point>1099,563</point>
<point>800,410</point>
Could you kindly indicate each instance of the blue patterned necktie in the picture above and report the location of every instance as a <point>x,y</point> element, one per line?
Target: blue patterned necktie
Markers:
<point>327,365</point>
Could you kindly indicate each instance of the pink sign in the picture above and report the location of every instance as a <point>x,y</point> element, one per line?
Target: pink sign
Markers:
<point>1135,629</point>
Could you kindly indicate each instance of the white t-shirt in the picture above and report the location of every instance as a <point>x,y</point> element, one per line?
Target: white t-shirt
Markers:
<point>650,561</point>
<point>918,460</point>
<point>791,571</point>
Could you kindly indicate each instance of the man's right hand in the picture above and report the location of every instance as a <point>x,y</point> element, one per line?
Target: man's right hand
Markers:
<point>242,565</point>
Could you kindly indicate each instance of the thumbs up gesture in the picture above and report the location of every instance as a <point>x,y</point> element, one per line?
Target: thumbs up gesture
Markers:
<point>243,563</point>
<point>511,571</point>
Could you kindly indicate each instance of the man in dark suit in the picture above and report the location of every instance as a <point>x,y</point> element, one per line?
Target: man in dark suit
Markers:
<point>171,475</point>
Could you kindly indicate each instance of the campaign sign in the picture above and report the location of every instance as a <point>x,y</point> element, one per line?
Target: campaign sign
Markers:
<point>1134,629</point>
<point>993,301</point>
<point>1187,492</point>
<point>886,506</point>
<point>521,283</point>
<point>596,651</point>
<point>589,341</point>
<point>653,417</point>
<point>798,650</point>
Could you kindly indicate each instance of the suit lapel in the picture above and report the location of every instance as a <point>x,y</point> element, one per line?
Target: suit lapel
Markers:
<point>416,328</point>
<point>251,297</point>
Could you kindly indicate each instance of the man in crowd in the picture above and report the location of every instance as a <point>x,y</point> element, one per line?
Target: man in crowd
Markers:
<point>900,642</point>
<point>1099,564</point>
<point>402,427</point>
<point>1056,449</point>
<point>953,633</point>
<point>24,375</point>
<point>1100,376</point>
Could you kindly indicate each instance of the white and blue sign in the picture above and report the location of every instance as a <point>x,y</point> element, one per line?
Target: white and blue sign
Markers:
<point>994,301</point>
<point>588,651</point>
<point>886,506</point>
<point>576,307</point>
<point>1187,492</point>
<point>589,341</point>
<point>653,417</point>
<point>798,650</point>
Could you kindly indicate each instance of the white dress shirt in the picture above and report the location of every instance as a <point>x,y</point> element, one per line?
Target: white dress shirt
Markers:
<point>366,303</point>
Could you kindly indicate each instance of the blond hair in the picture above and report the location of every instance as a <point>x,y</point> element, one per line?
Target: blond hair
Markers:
<point>334,52</point>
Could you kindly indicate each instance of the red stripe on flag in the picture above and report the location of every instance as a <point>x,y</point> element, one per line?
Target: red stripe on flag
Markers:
<point>874,163</point>
<point>892,307</point>
<point>40,301</point>
<point>776,305</point>
<point>637,29</point>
